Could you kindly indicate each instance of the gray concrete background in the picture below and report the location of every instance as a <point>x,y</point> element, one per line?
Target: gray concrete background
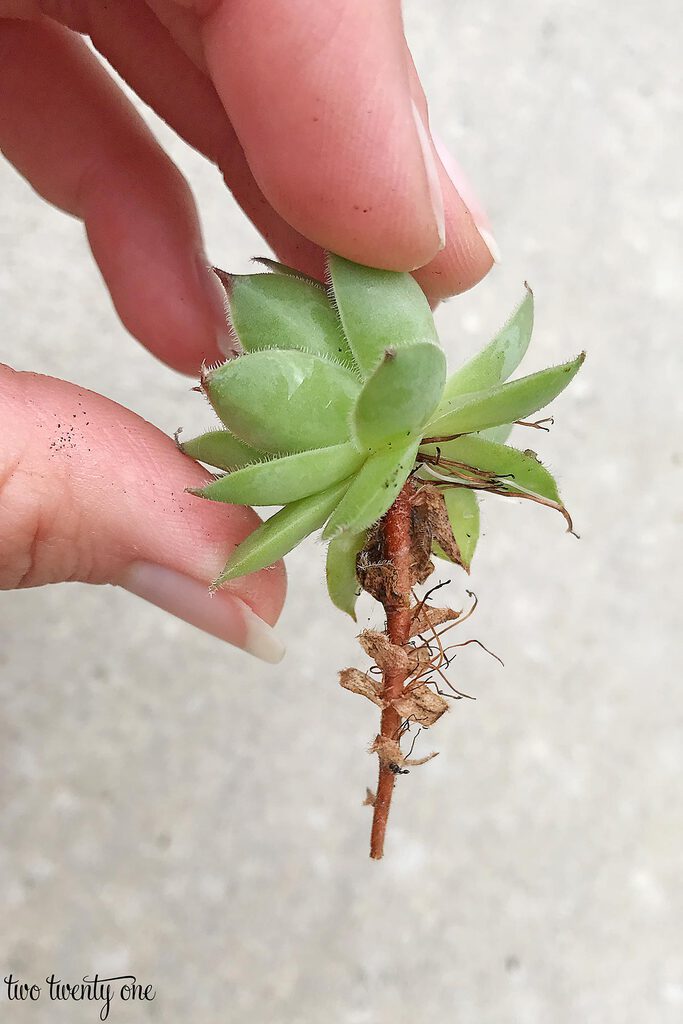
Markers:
<point>172,808</point>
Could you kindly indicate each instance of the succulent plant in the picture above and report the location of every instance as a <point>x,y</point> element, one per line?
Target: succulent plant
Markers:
<point>340,393</point>
<point>338,408</point>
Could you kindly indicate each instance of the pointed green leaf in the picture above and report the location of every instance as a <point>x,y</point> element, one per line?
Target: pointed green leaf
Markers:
<point>379,309</point>
<point>504,403</point>
<point>282,268</point>
<point>500,358</point>
<point>342,582</point>
<point>280,481</point>
<point>463,513</point>
<point>284,311</point>
<point>515,469</point>
<point>221,449</point>
<point>400,395</point>
<point>282,532</point>
<point>498,434</point>
<point>373,490</point>
<point>283,401</point>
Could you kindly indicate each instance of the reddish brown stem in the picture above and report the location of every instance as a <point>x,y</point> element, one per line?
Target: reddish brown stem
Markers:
<point>397,550</point>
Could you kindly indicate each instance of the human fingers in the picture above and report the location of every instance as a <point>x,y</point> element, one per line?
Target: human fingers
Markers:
<point>470,249</point>
<point>91,492</point>
<point>70,131</point>
<point>160,62</point>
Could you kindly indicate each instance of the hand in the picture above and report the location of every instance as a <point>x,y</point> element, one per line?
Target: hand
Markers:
<point>314,115</point>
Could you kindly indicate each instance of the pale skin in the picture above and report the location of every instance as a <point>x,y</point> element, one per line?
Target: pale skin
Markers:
<point>315,117</point>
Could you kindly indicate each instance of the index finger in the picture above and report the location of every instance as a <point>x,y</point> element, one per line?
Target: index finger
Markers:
<point>319,95</point>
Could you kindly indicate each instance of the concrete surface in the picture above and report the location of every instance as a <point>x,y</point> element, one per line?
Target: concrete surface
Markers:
<point>172,808</point>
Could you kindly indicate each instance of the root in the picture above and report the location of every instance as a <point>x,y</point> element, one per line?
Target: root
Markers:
<point>408,680</point>
<point>397,535</point>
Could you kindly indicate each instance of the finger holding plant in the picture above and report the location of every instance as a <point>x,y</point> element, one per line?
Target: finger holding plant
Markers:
<point>342,159</point>
<point>338,408</point>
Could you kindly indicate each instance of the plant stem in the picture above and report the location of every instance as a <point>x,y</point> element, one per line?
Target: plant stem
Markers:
<point>398,552</point>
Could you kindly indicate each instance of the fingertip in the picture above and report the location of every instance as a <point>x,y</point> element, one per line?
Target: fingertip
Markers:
<point>223,614</point>
<point>91,492</point>
<point>456,177</point>
<point>470,251</point>
<point>322,107</point>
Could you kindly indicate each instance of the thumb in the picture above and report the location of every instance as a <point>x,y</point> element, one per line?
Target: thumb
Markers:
<point>319,96</point>
<point>91,492</point>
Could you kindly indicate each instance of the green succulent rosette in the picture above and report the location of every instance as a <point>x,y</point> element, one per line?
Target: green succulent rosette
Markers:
<point>339,393</point>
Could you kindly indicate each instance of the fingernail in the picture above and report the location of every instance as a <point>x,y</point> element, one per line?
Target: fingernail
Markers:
<point>469,197</point>
<point>432,171</point>
<point>218,302</point>
<point>222,613</point>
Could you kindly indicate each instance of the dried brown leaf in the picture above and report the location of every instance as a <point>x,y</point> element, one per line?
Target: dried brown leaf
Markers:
<point>429,618</point>
<point>387,750</point>
<point>361,683</point>
<point>376,574</point>
<point>389,753</point>
<point>391,658</point>
<point>415,762</point>
<point>421,567</point>
<point>419,658</point>
<point>387,656</point>
<point>421,704</point>
<point>439,523</point>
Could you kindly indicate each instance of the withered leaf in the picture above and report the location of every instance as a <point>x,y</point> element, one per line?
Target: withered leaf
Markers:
<point>387,656</point>
<point>389,752</point>
<point>390,657</point>
<point>360,682</point>
<point>440,525</point>
<point>421,567</point>
<point>428,618</point>
<point>375,572</point>
<point>421,704</point>
<point>415,762</point>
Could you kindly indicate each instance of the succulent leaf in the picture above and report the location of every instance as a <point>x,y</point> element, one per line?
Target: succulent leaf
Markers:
<point>504,403</point>
<point>463,514</point>
<point>379,309</point>
<point>373,489</point>
<point>326,409</point>
<point>221,449</point>
<point>500,358</point>
<point>286,312</point>
<point>282,268</point>
<point>282,532</point>
<point>342,582</point>
<point>283,401</point>
<point>498,434</point>
<point>283,480</point>
<point>516,469</point>
<point>400,395</point>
